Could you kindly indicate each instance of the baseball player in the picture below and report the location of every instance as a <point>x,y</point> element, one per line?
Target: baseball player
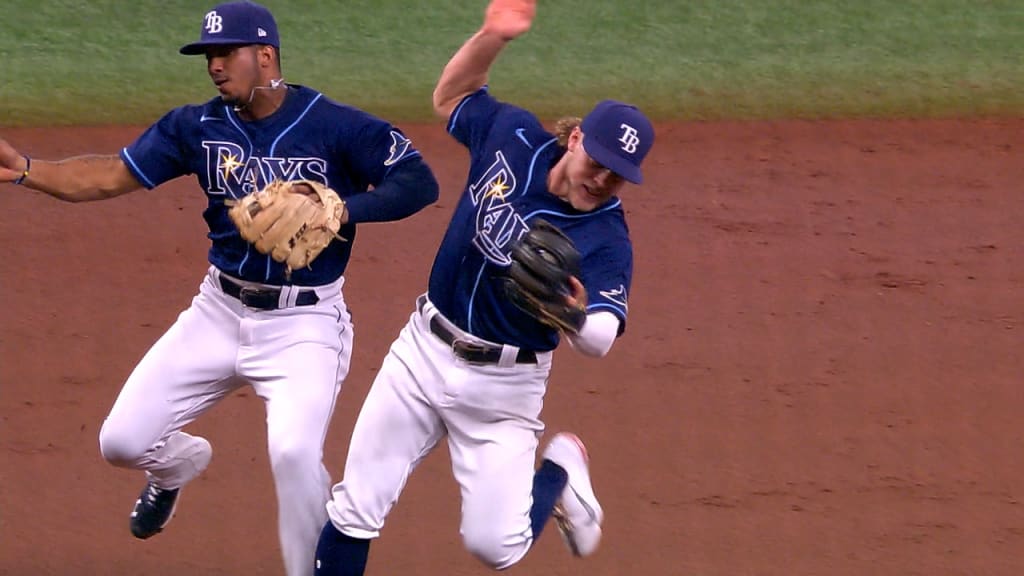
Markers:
<point>289,336</point>
<point>471,368</point>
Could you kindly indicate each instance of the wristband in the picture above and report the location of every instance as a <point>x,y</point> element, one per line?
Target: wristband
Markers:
<point>28,166</point>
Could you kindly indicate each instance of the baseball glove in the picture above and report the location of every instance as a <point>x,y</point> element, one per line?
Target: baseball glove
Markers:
<point>543,260</point>
<point>291,221</point>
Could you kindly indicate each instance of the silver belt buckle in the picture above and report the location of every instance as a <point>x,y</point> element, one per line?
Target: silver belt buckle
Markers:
<point>461,346</point>
<point>245,292</point>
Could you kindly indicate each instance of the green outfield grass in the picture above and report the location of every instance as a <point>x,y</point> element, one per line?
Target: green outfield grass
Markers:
<point>109,61</point>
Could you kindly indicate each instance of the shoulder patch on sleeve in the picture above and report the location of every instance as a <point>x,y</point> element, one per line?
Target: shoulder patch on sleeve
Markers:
<point>400,148</point>
<point>617,295</point>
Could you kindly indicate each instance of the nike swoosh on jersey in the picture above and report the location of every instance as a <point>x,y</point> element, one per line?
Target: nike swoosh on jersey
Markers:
<point>519,132</point>
<point>204,118</point>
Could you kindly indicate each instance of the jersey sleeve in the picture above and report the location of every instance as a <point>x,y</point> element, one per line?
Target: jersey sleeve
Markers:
<point>158,155</point>
<point>373,147</point>
<point>472,120</point>
<point>607,276</point>
<point>378,154</point>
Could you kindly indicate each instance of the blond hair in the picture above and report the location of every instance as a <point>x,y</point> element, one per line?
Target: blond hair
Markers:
<point>564,127</point>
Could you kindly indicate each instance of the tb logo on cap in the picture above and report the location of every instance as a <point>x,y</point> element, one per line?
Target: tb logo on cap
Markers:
<point>214,22</point>
<point>629,138</point>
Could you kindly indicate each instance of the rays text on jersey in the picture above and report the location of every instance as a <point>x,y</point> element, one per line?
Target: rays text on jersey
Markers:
<point>231,172</point>
<point>497,222</point>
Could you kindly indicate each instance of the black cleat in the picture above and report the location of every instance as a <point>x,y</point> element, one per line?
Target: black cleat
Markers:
<point>153,510</point>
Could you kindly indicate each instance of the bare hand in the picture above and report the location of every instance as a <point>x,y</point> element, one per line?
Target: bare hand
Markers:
<point>578,294</point>
<point>12,163</point>
<point>509,19</point>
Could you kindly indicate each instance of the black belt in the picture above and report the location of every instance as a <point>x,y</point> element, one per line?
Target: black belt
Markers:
<point>264,298</point>
<point>473,352</point>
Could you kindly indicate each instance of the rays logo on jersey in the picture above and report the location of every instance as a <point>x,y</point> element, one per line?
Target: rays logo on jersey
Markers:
<point>400,148</point>
<point>497,223</point>
<point>229,172</point>
<point>617,295</point>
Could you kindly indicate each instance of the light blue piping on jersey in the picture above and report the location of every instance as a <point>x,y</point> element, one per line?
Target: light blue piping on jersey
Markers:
<point>611,206</point>
<point>455,114</point>
<point>604,305</point>
<point>451,125</point>
<point>533,161</point>
<point>248,248</point>
<point>529,179</point>
<point>402,159</point>
<point>135,167</point>
<point>476,284</point>
<point>273,147</point>
<point>292,125</point>
<point>616,203</point>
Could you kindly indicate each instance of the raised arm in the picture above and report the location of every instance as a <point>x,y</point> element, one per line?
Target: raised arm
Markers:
<point>77,179</point>
<point>467,70</point>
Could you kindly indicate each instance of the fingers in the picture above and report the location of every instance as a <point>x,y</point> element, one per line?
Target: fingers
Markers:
<point>509,19</point>
<point>305,190</point>
<point>577,293</point>
<point>12,164</point>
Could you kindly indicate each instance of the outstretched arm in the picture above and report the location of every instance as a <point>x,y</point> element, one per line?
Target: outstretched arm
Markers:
<point>77,179</point>
<point>467,70</point>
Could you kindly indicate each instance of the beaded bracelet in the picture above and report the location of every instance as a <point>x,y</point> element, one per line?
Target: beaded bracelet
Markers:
<point>28,166</point>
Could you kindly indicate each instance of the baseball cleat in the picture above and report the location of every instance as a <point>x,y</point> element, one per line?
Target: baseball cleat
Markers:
<point>578,514</point>
<point>153,510</point>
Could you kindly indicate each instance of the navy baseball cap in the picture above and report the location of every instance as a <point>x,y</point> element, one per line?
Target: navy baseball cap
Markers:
<point>235,23</point>
<point>618,136</point>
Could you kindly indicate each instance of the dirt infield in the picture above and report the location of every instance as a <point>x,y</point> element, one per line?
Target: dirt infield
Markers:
<point>821,374</point>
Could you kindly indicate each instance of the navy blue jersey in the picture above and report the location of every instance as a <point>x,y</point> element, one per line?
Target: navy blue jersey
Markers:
<point>309,137</point>
<point>510,156</point>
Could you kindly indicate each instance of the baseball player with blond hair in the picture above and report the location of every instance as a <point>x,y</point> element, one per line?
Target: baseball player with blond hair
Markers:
<point>286,332</point>
<point>472,364</point>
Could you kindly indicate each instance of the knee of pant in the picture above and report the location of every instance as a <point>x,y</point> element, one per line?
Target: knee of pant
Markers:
<point>295,456</point>
<point>497,551</point>
<point>121,448</point>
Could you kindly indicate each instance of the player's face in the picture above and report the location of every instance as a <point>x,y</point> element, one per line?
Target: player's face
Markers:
<point>590,183</point>
<point>234,71</point>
